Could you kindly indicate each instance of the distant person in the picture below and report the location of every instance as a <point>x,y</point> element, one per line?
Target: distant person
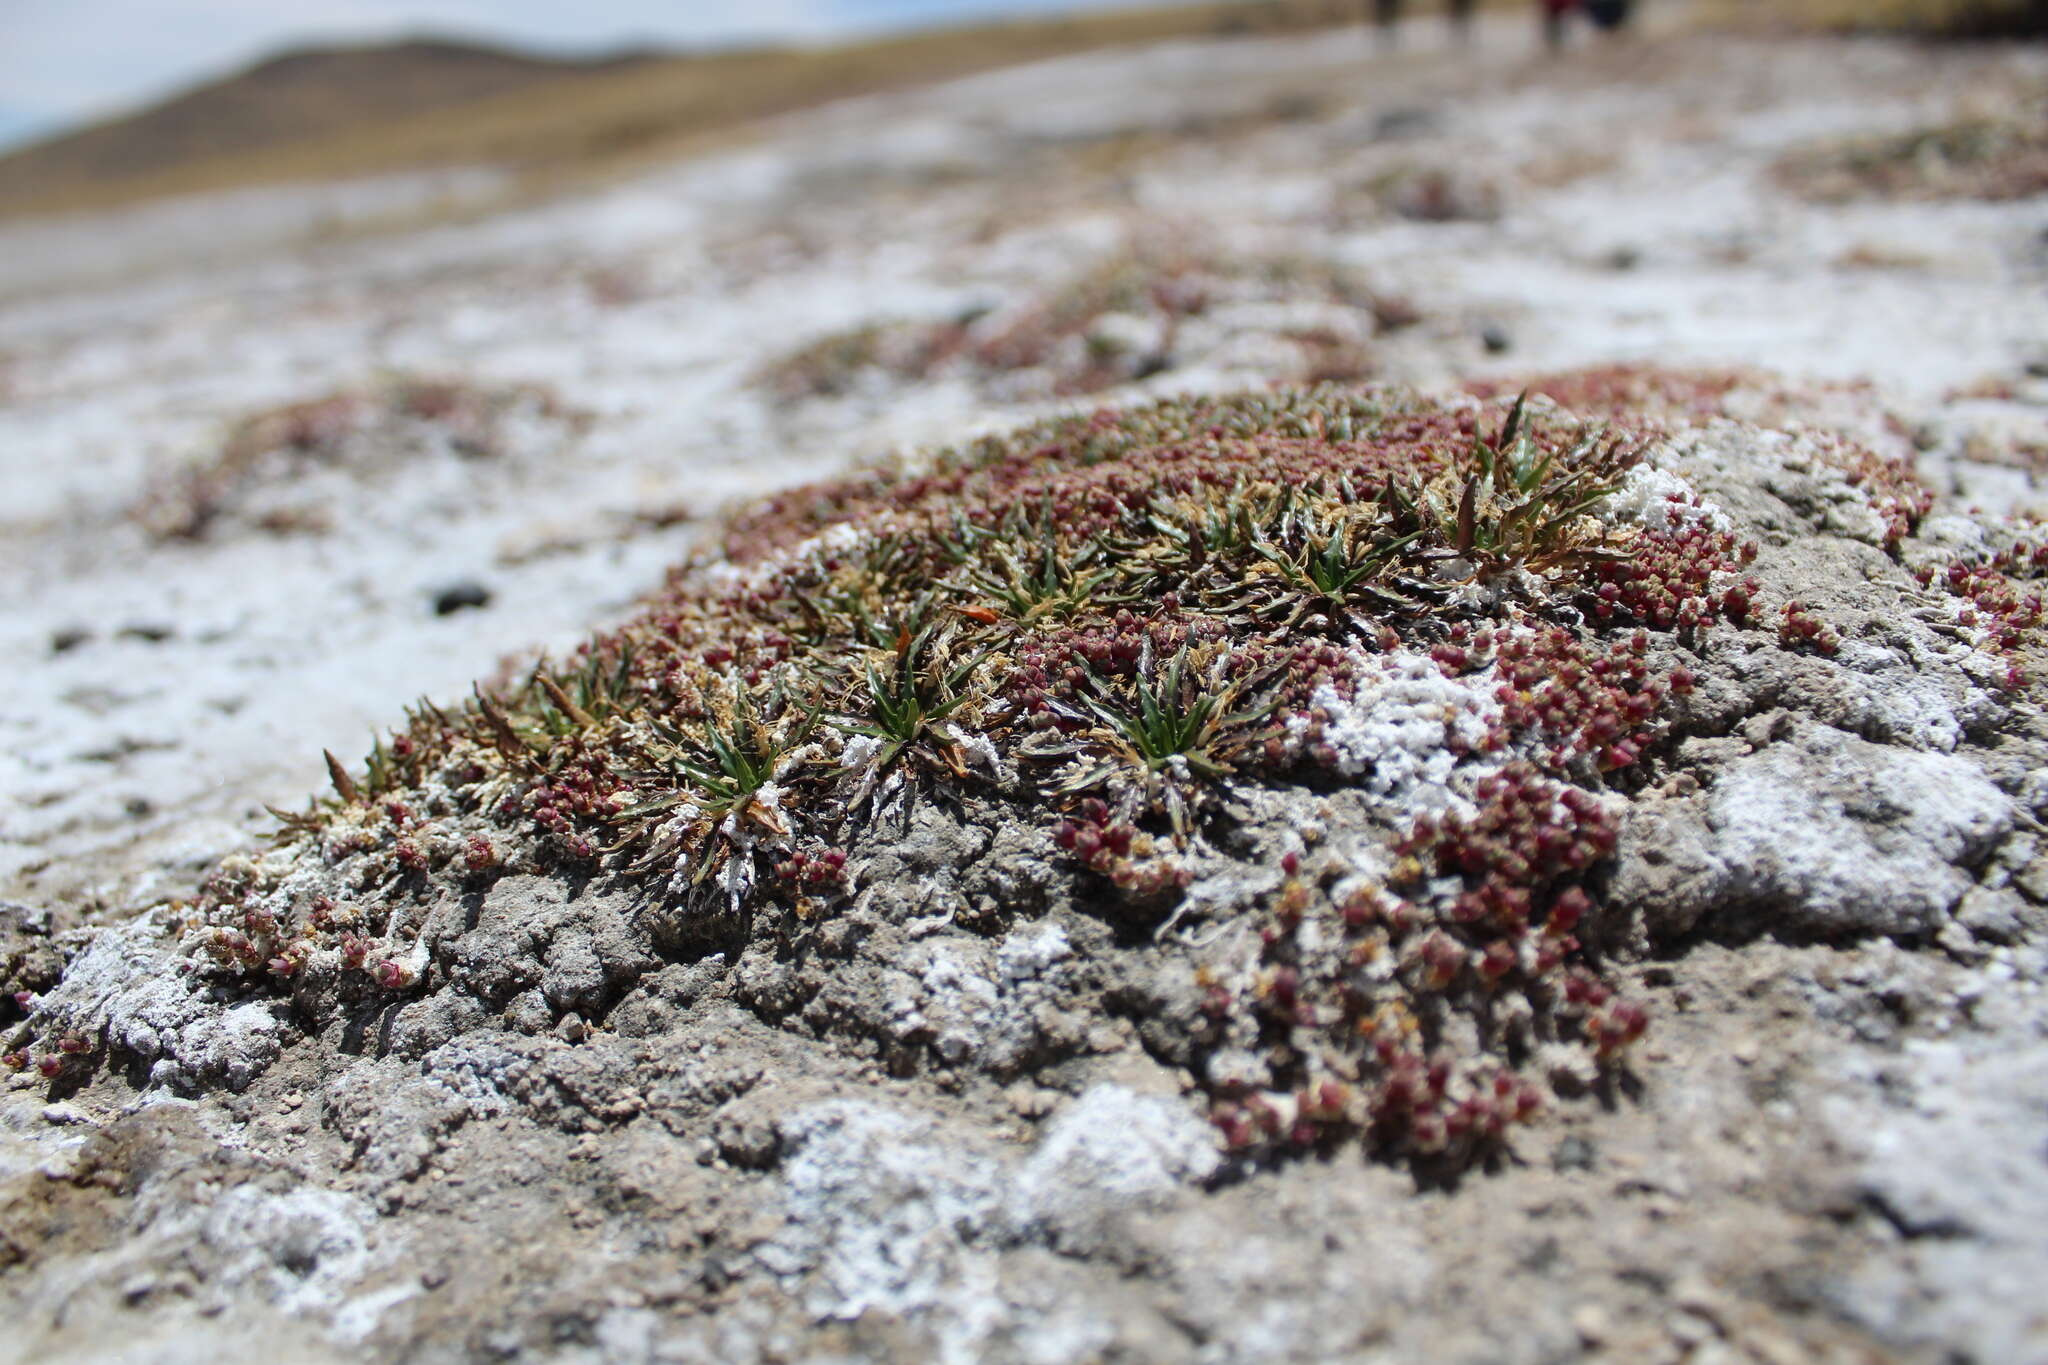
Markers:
<point>1607,14</point>
<point>1387,15</point>
<point>1554,12</point>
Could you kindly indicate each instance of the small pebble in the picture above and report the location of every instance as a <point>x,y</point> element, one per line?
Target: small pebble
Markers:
<point>463,596</point>
<point>1030,1101</point>
<point>1574,1153</point>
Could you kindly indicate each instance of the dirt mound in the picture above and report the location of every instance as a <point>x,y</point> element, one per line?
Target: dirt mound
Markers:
<point>1234,878</point>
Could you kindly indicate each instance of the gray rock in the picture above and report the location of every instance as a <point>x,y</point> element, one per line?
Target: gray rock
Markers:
<point>1822,836</point>
<point>1957,1166</point>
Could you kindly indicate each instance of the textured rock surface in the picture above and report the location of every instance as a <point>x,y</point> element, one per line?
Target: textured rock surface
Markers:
<point>1819,834</point>
<point>962,1125</point>
<point>966,1117</point>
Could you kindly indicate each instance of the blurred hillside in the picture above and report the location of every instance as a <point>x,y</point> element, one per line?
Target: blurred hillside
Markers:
<point>322,114</point>
<point>290,100</point>
<point>339,113</point>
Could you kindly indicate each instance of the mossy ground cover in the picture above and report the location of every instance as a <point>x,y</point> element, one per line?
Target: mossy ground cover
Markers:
<point>1120,319</point>
<point>1106,625</point>
<point>1992,159</point>
<point>252,478</point>
<point>1475,619</point>
<point>1681,397</point>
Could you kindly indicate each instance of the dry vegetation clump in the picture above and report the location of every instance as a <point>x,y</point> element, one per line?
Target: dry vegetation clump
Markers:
<point>1997,595</point>
<point>1436,194</point>
<point>1952,19</point>
<point>2000,419</point>
<point>1651,392</point>
<point>1134,315</point>
<point>1402,183</point>
<point>1994,19</point>
<point>1993,159</point>
<point>836,364</point>
<point>1108,630</point>
<point>1663,398</point>
<point>257,476</point>
<point>2014,444</point>
<point>1939,20</point>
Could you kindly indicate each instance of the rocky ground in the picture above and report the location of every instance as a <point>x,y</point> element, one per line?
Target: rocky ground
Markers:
<point>263,502</point>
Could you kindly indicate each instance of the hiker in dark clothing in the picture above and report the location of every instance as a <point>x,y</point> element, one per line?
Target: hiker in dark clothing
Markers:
<point>1387,13</point>
<point>1554,12</point>
<point>1607,14</point>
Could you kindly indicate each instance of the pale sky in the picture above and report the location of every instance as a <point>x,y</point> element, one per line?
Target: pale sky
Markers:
<point>66,61</point>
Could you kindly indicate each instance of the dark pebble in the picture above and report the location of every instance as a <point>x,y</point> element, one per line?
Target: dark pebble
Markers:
<point>1397,123</point>
<point>460,597</point>
<point>1574,1154</point>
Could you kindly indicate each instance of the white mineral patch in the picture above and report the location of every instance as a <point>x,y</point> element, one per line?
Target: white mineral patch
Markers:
<point>1030,950</point>
<point>879,1212</point>
<point>1110,1151</point>
<point>1660,500</point>
<point>883,1211</point>
<point>1399,731</point>
<point>1953,1152</point>
<point>303,1247</point>
<point>1816,844</point>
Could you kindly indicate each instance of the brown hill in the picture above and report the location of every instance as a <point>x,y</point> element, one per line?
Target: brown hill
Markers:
<point>293,98</point>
